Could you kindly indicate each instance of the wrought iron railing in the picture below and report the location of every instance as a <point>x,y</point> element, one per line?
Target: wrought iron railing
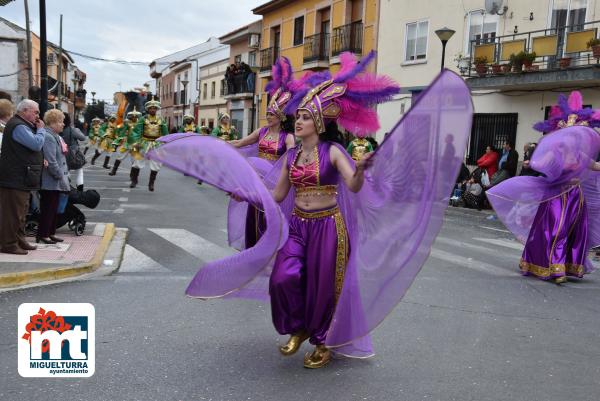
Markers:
<point>268,57</point>
<point>347,38</point>
<point>239,83</point>
<point>556,48</point>
<point>316,47</point>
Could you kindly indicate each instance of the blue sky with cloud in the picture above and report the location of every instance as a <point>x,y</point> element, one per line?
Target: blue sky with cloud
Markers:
<point>131,30</point>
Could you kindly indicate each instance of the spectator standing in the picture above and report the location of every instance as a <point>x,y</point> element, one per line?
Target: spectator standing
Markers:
<point>72,136</point>
<point>507,166</point>
<point>21,163</point>
<point>6,112</point>
<point>489,161</point>
<point>55,176</point>
<point>526,170</point>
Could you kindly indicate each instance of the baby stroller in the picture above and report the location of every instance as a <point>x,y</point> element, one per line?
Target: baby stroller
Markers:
<point>72,216</point>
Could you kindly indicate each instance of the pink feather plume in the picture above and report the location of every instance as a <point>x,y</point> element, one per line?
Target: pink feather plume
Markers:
<point>575,101</point>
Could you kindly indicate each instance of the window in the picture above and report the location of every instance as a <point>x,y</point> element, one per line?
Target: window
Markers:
<point>482,29</point>
<point>252,59</point>
<point>204,90</point>
<point>416,41</point>
<point>222,90</point>
<point>212,89</point>
<point>202,122</point>
<point>238,58</point>
<point>491,129</point>
<point>211,123</point>
<point>568,13</point>
<point>299,30</point>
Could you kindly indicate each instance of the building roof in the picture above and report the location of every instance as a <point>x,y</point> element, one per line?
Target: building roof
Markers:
<point>253,27</point>
<point>270,6</point>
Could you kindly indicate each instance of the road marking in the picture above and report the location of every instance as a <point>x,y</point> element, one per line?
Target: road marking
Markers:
<point>192,243</point>
<point>461,244</point>
<point>502,242</point>
<point>470,263</point>
<point>495,229</point>
<point>119,211</point>
<point>135,261</point>
<point>117,199</point>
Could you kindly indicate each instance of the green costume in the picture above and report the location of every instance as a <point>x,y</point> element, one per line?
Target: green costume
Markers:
<point>358,148</point>
<point>188,125</point>
<point>108,133</point>
<point>147,130</point>
<point>94,131</point>
<point>225,132</point>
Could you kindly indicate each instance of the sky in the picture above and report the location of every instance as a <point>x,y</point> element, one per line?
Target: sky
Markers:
<point>131,30</point>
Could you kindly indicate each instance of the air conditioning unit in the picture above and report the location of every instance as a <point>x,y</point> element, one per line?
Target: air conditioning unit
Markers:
<point>254,41</point>
<point>51,59</point>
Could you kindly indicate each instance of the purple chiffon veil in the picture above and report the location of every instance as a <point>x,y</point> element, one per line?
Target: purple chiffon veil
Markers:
<point>392,221</point>
<point>562,156</point>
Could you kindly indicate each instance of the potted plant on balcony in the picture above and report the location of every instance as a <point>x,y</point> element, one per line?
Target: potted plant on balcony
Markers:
<point>528,59</point>
<point>496,69</point>
<point>594,44</point>
<point>517,61</point>
<point>481,67</point>
<point>507,67</point>
<point>564,62</point>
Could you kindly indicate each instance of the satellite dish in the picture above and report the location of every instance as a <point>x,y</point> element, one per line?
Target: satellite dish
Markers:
<point>494,7</point>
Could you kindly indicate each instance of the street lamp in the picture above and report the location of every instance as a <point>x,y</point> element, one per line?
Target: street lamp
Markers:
<point>444,34</point>
<point>184,83</point>
<point>74,80</point>
<point>93,97</point>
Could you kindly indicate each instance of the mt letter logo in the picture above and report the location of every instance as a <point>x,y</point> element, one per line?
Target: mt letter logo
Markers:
<point>56,340</point>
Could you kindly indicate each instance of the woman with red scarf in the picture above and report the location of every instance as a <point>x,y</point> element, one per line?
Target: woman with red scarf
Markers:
<point>489,161</point>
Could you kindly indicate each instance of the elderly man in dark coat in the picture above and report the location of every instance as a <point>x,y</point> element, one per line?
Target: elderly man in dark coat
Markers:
<point>21,163</point>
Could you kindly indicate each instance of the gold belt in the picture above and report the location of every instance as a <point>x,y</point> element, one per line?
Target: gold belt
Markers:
<point>321,190</point>
<point>150,138</point>
<point>267,156</point>
<point>315,215</point>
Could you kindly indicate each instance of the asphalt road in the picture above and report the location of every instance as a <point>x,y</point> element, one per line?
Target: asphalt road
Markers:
<point>469,328</point>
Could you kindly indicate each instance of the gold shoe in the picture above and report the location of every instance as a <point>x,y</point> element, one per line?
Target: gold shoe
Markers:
<point>293,344</point>
<point>319,358</point>
<point>560,280</point>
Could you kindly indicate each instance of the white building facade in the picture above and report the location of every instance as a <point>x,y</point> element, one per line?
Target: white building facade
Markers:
<point>506,104</point>
<point>212,90</point>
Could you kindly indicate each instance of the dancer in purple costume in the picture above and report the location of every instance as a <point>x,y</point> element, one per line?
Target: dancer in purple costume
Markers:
<point>271,141</point>
<point>551,213</point>
<point>342,261</point>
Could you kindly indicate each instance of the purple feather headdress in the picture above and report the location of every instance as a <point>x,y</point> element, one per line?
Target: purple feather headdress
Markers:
<point>282,86</point>
<point>569,112</point>
<point>348,97</point>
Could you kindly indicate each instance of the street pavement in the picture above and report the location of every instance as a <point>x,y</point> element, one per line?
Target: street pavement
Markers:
<point>469,328</point>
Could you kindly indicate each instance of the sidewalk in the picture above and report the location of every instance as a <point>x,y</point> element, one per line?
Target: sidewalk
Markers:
<point>100,247</point>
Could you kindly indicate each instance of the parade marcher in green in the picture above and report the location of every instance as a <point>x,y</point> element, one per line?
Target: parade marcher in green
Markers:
<point>94,137</point>
<point>359,147</point>
<point>188,125</point>
<point>124,138</point>
<point>225,130</point>
<point>108,133</point>
<point>204,130</point>
<point>147,130</point>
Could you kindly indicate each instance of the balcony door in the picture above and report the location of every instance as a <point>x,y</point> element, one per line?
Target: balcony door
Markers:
<point>276,41</point>
<point>325,30</point>
<point>566,16</point>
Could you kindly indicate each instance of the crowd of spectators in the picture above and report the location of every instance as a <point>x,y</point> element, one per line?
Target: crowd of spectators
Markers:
<point>239,78</point>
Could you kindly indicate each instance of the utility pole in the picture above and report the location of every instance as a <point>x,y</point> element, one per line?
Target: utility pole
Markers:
<point>59,77</point>
<point>43,60</point>
<point>28,32</point>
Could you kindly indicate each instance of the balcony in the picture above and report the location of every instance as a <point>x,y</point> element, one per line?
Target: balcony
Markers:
<point>562,59</point>
<point>347,38</point>
<point>316,51</point>
<point>267,59</point>
<point>239,86</point>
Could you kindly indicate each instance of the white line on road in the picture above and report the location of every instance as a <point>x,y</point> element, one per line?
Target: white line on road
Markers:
<point>495,229</point>
<point>461,244</point>
<point>502,242</point>
<point>470,263</point>
<point>192,243</point>
<point>135,261</point>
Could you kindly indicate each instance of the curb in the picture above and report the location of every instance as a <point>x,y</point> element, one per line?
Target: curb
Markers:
<point>19,279</point>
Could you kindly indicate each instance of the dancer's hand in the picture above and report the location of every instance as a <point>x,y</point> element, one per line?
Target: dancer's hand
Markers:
<point>364,163</point>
